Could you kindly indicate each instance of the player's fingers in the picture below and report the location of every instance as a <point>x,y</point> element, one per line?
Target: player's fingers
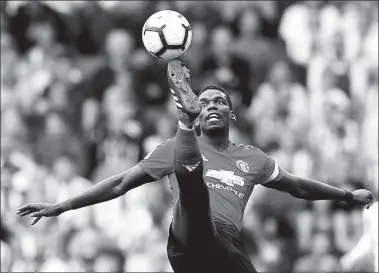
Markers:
<point>38,214</point>
<point>23,208</point>
<point>36,220</point>
<point>25,213</point>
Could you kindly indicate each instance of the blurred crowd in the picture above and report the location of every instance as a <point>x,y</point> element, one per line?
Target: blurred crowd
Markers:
<point>81,100</point>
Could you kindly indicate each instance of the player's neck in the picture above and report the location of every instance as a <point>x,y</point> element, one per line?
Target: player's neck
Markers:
<point>220,142</point>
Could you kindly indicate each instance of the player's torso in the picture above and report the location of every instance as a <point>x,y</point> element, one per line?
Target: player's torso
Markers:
<point>229,176</point>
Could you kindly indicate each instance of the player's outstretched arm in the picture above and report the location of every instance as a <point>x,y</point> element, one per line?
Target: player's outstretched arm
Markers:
<point>308,189</point>
<point>103,191</point>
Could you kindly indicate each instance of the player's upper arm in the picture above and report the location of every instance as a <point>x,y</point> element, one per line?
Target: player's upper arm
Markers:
<point>133,178</point>
<point>160,161</point>
<point>285,182</point>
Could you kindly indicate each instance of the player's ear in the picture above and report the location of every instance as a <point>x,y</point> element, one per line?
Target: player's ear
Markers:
<point>233,115</point>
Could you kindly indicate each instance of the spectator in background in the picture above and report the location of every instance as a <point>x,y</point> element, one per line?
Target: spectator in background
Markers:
<point>83,247</point>
<point>46,46</point>
<point>353,19</point>
<point>118,141</point>
<point>314,218</point>
<point>92,25</point>
<point>14,131</point>
<point>64,181</point>
<point>271,15</point>
<point>115,76</point>
<point>207,13</point>
<point>5,246</point>
<point>63,94</point>
<point>57,138</point>
<point>38,72</point>
<point>339,135</point>
<point>279,112</point>
<point>8,76</point>
<point>261,52</point>
<point>225,68</point>
<point>369,137</point>
<point>131,15</point>
<point>110,260</point>
<point>328,70</point>
<point>196,53</point>
<point>149,76</point>
<point>299,28</point>
<point>370,40</point>
<point>31,12</point>
<point>274,243</point>
<point>115,70</point>
<point>320,257</point>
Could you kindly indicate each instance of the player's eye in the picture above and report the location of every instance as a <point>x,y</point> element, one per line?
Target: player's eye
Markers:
<point>203,104</point>
<point>221,102</point>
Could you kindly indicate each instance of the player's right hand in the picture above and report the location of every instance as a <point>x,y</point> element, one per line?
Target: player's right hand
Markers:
<point>39,210</point>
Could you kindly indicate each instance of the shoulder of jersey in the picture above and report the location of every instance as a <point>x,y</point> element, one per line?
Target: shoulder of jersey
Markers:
<point>170,140</point>
<point>245,147</point>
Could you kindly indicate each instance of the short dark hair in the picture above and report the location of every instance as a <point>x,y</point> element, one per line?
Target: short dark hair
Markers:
<point>219,88</point>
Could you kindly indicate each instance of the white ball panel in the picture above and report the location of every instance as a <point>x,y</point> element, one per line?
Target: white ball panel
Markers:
<point>152,41</point>
<point>174,33</point>
<point>171,54</point>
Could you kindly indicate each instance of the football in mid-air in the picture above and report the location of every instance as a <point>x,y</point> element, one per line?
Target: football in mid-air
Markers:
<point>166,34</point>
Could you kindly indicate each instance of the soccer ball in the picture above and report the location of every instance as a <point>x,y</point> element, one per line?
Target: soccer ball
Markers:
<point>166,34</point>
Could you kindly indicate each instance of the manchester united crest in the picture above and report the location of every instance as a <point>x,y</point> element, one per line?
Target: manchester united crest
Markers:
<point>243,166</point>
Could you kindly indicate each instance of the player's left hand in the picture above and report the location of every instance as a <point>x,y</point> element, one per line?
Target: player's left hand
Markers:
<point>363,197</point>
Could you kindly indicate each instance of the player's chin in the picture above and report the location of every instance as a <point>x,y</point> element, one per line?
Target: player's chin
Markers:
<point>215,124</point>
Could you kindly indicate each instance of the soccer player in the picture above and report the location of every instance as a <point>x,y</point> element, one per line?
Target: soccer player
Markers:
<point>212,179</point>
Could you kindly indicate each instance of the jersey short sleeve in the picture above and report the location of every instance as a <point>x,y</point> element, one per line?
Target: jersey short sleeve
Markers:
<point>268,169</point>
<point>159,162</point>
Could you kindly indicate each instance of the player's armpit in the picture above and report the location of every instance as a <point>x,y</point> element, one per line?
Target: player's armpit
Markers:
<point>159,162</point>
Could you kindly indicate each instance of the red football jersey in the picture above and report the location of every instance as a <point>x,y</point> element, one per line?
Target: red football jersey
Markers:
<point>230,175</point>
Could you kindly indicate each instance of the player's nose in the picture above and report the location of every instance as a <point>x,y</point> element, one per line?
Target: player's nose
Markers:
<point>212,106</point>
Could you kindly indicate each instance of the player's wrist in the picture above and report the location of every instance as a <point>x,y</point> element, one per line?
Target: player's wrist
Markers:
<point>64,206</point>
<point>348,197</point>
<point>186,127</point>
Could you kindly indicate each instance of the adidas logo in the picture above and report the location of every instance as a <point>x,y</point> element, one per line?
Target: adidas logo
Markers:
<point>176,99</point>
<point>191,167</point>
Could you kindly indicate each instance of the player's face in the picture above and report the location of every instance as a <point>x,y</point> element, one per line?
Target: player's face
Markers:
<point>215,113</point>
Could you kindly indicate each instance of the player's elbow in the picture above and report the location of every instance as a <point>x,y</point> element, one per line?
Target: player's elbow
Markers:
<point>305,194</point>
<point>298,191</point>
<point>293,186</point>
<point>118,191</point>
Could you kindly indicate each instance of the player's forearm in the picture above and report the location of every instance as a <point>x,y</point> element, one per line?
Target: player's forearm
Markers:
<point>103,191</point>
<point>309,189</point>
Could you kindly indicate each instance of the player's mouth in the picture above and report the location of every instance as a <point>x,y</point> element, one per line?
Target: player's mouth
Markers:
<point>213,117</point>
